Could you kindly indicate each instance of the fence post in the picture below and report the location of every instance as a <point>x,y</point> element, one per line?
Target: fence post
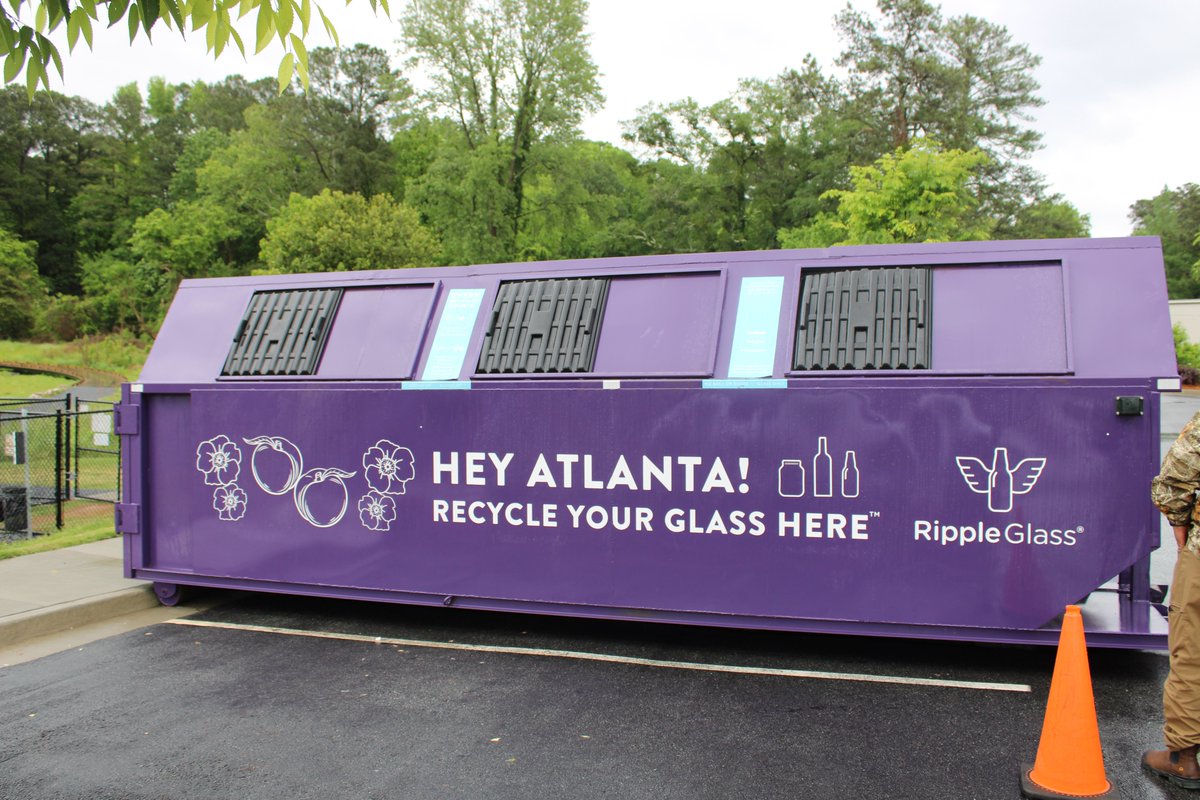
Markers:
<point>69,475</point>
<point>76,445</point>
<point>28,487</point>
<point>58,469</point>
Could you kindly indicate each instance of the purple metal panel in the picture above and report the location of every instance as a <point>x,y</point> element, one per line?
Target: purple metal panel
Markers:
<point>377,333</point>
<point>919,534</point>
<point>197,332</point>
<point>661,325</point>
<point>168,541</point>
<point>131,481</point>
<point>1118,302</point>
<point>1003,320</point>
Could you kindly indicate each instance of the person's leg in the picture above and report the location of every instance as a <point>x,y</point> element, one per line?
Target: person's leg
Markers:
<point>1181,693</point>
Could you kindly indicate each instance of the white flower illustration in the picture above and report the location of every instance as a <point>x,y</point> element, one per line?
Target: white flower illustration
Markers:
<point>377,511</point>
<point>220,460</point>
<point>388,467</point>
<point>230,502</point>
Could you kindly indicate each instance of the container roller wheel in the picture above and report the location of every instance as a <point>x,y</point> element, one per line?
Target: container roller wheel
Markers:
<point>169,594</point>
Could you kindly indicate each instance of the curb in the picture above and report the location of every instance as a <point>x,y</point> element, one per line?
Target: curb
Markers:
<point>16,628</point>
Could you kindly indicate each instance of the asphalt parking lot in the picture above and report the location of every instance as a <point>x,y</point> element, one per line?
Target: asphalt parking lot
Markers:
<point>294,697</point>
<point>268,697</point>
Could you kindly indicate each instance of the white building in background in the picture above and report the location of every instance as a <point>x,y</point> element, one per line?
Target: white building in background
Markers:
<point>1187,314</point>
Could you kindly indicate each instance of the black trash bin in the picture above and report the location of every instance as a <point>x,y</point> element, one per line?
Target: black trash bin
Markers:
<point>12,502</point>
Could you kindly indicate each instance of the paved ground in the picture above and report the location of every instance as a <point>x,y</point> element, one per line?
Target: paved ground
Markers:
<point>184,712</point>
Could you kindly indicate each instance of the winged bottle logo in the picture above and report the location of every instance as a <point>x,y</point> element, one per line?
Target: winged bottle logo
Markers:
<point>1000,482</point>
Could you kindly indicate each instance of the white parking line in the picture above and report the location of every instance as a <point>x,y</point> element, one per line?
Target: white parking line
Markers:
<point>614,659</point>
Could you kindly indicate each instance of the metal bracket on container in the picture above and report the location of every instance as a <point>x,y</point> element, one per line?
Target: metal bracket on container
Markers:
<point>128,419</point>
<point>127,517</point>
<point>1130,406</point>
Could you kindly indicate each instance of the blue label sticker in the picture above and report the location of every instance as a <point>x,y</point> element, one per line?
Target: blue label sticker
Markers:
<point>436,385</point>
<point>757,327</point>
<point>453,335</point>
<point>761,383</point>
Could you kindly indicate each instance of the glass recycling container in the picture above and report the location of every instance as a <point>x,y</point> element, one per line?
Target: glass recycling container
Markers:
<point>944,441</point>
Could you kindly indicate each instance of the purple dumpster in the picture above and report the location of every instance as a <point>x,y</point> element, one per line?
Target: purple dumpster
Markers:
<point>948,441</point>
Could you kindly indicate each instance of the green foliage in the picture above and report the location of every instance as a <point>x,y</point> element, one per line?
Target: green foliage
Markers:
<point>79,529</point>
<point>222,106</point>
<point>584,202</point>
<point>511,74</point>
<point>922,194</point>
<point>1047,218</point>
<point>121,353</point>
<point>413,150</point>
<point>1174,216</point>
<point>64,318</point>
<point>334,232</point>
<point>21,288</point>
<point>27,49</point>
<point>729,175</point>
<point>197,150</point>
<point>1187,353</point>
<point>21,384</point>
<point>120,294</point>
<point>262,166</point>
<point>44,147</point>
<point>960,81</point>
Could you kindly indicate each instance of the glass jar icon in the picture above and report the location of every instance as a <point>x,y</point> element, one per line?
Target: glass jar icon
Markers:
<point>791,478</point>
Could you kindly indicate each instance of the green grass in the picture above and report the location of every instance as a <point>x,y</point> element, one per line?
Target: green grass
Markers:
<point>90,528</point>
<point>121,354</point>
<point>17,384</point>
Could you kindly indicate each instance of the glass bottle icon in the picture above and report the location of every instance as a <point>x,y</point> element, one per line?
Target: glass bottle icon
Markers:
<point>791,478</point>
<point>822,470</point>
<point>850,475</point>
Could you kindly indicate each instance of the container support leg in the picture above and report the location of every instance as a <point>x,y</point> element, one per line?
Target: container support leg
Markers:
<point>1135,597</point>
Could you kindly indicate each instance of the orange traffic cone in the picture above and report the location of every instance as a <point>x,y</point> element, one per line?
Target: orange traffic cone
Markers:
<point>1069,761</point>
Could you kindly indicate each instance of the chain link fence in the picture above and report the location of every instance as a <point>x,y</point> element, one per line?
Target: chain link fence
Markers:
<point>60,462</point>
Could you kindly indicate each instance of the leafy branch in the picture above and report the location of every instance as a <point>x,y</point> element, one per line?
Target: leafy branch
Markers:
<point>27,47</point>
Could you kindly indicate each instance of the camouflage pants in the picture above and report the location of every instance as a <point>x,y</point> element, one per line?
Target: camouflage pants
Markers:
<point>1181,694</point>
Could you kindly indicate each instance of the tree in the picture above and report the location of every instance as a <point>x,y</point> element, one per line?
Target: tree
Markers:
<point>586,201</point>
<point>21,289</point>
<point>511,74</point>
<point>135,150</point>
<point>1173,215</point>
<point>253,177</point>
<point>122,295</point>
<point>962,82</point>
<point>355,98</point>
<point>334,232</point>
<point>1046,218</point>
<point>222,106</point>
<point>28,48</point>
<point>921,194</point>
<point>44,145</point>
<point>751,164</point>
<point>197,150</point>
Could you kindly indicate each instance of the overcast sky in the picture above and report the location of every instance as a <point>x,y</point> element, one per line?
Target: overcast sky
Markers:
<point>1120,79</point>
